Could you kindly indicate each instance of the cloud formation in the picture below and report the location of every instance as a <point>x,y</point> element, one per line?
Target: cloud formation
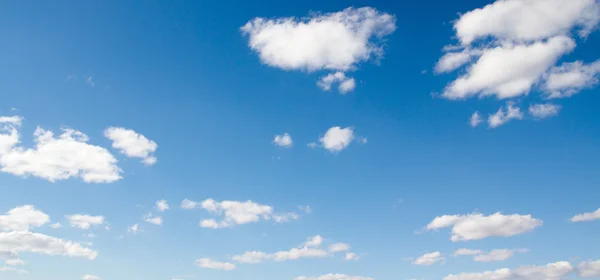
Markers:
<point>208,263</point>
<point>132,144</point>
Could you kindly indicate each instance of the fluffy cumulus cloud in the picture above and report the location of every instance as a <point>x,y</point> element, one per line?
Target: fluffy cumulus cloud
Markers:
<point>23,218</point>
<point>586,217</point>
<point>589,269</point>
<point>312,248</point>
<point>336,42</point>
<point>55,157</point>
<point>162,205</point>
<point>23,241</point>
<point>491,256</point>
<point>85,221</point>
<point>156,220</point>
<point>552,271</point>
<point>90,277</point>
<point>570,78</point>
<point>283,140</point>
<point>477,226</point>
<point>334,277</point>
<point>504,115</point>
<point>510,47</point>
<point>429,259</point>
<point>208,263</point>
<point>132,144</point>
<point>337,139</point>
<point>345,84</point>
<point>237,212</point>
<point>542,111</point>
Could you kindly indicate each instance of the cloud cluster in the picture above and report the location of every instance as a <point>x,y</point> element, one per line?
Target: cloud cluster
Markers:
<point>336,42</point>
<point>477,226</point>
<point>236,212</point>
<point>132,144</point>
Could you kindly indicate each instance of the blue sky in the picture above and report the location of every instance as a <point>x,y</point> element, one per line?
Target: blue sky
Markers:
<point>378,100</point>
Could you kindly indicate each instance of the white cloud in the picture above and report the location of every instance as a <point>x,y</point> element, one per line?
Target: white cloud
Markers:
<point>477,226</point>
<point>526,20</point>
<point>352,256</point>
<point>570,78</point>
<point>11,258</point>
<point>132,144</point>
<point>429,259</point>
<point>90,277</point>
<point>85,221</point>
<point>306,209</point>
<point>153,220</point>
<point>345,84</point>
<point>208,263</point>
<point>466,252</point>
<point>309,249</point>
<point>453,60</point>
<point>284,140</point>
<point>14,262</point>
<point>22,241</point>
<point>475,119</point>
<point>55,158</point>
<point>509,70</point>
<point>503,115</point>
<point>134,229</point>
<point>589,269</point>
<point>237,213</point>
<point>162,205</point>
<point>542,111</point>
<point>339,247</point>
<point>22,218</point>
<point>334,41</point>
<point>337,139</point>
<point>498,255</point>
<point>552,271</point>
<point>334,277</point>
<point>12,269</point>
<point>56,225</point>
<point>586,217</point>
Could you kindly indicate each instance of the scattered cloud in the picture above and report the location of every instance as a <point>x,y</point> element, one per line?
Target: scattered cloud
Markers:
<point>552,271</point>
<point>339,247</point>
<point>90,277</point>
<point>504,115</point>
<point>306,209</point>
<point>236,212</point>
<point>208,263</point>
<point>589,269</point>
<point>334,277</point>
<point>352,256</point>
<point>56,225</point>
<point>477,226</point>
<point>345,84</point>
<point>153,220</point>
<point>337,139</point>
<point>570,78</point>
<point>335,42</point>
<point>12,269</point>
<point>132,144</point>
<point>90,81</point>
<point>55,158</point>
<point>133,229</point>
<point>284,140</point>
<point>586,217</point>
<point>23,218</point>
<point>429,259</point>
<point>542,111</point>
<point>475,119</point>
<point>23,241</point>
<point>491,256</point>
<point>162,205</point>
<point>85,221</point>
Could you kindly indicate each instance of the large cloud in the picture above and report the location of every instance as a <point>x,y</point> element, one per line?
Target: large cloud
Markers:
<point>477,226</point>
<point>55,158</point>
<point>333,41</point>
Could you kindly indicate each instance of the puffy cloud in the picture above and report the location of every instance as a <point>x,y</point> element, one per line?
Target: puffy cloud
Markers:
<point>284,140</point>
<point>453,60</point>
<point>570,78</point>
<point>23,241</point>
<point>352,256</point>
<point>475,119</point>
<point>309,249</point>
<point>542,111</point>
<point>236,212</point>
<point>429,259</point>
<point>509,70</point>
<point>334,277</point>
<point>134,229</point>
<point>162,205</point>
<point>12,269</point>
<point>477,226</point>
<point>345,84</point>
<point>90,277</point>
<point>334,41</point>
<point>132,144</point>
<point>208,263</point>
<point>589,269</point>
<point>153,220</point>
<point>586,217</point>
<point>22,218</point>
<point>85,221</point>
<point>55,158</point>
<point>491,256</point>
<point>337,139</point>
<point>552,271</point>
<point>503,115</point>
<point>526,20</point>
